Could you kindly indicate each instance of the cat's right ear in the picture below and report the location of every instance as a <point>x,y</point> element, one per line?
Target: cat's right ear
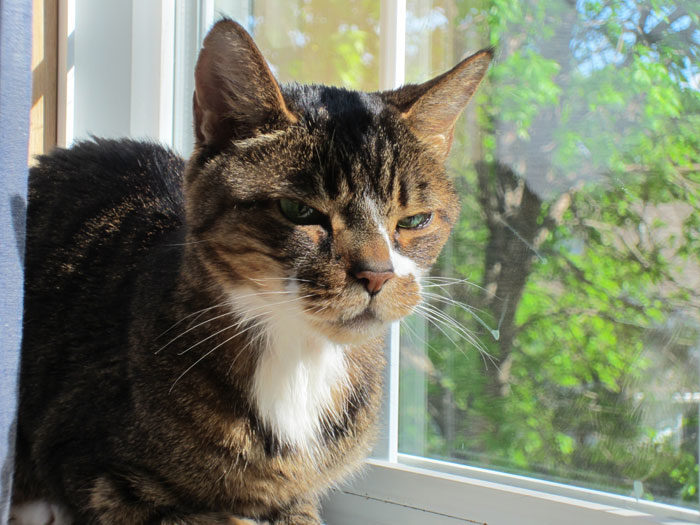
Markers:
<point>236,95</point>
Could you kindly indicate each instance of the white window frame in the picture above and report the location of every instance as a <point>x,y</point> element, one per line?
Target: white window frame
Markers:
<point>394,488</point>
<point>147,46</point>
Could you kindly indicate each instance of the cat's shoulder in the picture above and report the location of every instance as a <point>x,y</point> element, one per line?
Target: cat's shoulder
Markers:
<point>100,188</point>
<point>118,164</point>
<point>110,154</point>
<point>99,174</point>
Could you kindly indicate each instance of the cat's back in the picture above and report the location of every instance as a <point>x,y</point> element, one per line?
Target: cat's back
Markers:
<point>97,214</point>
<point>97,194</point>
<point>94,211</point>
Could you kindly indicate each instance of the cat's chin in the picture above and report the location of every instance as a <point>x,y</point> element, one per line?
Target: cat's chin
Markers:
<point>356,330</point>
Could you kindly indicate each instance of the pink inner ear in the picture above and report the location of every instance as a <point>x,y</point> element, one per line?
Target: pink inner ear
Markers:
<point>236,95</point>
<point>433,114</point>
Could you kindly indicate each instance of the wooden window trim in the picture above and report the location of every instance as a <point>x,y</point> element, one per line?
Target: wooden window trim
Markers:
<point>43,113</point>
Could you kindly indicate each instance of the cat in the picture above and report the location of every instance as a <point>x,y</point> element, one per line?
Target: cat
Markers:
<point>203,340</point>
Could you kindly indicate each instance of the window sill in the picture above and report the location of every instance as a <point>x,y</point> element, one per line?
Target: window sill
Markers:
<point>428,492</point>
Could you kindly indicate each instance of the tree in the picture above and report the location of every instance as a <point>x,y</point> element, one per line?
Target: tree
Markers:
<point>581,227</point>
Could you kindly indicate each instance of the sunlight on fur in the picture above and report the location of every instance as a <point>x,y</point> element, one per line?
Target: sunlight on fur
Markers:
<point>206,336</point>
<point>298,371</point>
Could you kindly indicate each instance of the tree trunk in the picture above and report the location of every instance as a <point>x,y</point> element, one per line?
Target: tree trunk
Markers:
<point>512,195</point>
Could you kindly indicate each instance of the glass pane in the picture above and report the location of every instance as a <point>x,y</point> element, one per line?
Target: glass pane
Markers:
<point>333,42</point>
<point>562,334</point>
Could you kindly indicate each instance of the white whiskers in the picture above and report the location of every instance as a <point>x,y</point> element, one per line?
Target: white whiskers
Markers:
<point>439,281</point>
<point>211,351</point>
<point>446,323</point>
<point>495,333</point>
<point>227,303</point>
<point>244,318</point>
<point>198,314</point>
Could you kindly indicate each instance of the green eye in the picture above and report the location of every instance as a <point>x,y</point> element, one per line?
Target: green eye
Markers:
<point>300,213</point>
<point>415,221</point>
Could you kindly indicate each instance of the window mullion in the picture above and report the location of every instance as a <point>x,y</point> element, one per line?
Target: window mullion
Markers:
<point>392,43</point>
<point>207,13</point>
<point>152,42</point>
<point>65,110</point>
<point>392,38</point>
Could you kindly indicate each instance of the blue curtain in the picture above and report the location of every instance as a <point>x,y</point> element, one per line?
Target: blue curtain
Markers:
<point>15,100</point>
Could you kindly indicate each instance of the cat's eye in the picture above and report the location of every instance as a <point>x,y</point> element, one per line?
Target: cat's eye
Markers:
<point>300,213</point>
<point>416,221</point>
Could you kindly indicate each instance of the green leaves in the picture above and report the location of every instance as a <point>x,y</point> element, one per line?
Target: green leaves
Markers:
<point>526,84</point>
<point>600,334</point>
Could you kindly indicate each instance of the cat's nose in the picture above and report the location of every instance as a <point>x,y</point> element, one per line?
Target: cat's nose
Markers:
<point>373,279</point>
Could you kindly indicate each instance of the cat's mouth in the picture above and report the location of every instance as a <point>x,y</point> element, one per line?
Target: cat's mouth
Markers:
<point>368,322</point>
<point>355,317</point>
<point>365,318</point>
<point>357,328</point>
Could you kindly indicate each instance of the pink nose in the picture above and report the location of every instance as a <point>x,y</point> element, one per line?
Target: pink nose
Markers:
<point>373,281</point>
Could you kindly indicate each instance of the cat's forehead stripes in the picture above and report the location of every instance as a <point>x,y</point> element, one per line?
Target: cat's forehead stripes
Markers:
<point>353,148</point>
<point>357,143</point>
<point>373,185</point>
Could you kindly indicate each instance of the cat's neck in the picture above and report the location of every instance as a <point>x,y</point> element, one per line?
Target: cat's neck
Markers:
<point>300,381</point>
<point>295,379</point>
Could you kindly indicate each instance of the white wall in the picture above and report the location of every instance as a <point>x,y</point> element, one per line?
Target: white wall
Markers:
<point>101,46</point>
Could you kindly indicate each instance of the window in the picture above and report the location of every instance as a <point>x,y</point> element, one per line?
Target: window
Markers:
<point>576,351</point>
<point>333,42</point>
<point>568,386</point>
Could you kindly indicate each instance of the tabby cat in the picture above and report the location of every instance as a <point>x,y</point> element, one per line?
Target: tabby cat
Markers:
<point>203,340</point>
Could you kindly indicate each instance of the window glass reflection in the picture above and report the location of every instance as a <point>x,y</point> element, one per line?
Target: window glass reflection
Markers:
<point>562,336</point>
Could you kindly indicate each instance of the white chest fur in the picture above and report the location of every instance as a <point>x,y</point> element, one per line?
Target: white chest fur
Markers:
<point>298,372</point>
<point>293,387</point>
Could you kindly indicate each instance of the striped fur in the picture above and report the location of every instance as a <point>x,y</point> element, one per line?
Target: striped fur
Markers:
<point>193,356</point>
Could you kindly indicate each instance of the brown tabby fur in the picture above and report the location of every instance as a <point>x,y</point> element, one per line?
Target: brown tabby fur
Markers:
<point>141,348</point>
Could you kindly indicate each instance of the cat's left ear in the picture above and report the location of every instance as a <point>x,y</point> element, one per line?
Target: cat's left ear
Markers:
<point>236,95</point>
<point>432,108</point>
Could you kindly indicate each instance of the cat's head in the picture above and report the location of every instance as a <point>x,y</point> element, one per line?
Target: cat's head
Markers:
<point>318,200</point>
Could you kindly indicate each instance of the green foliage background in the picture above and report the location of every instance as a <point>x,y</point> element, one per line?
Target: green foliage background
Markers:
<point>579,240</point>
